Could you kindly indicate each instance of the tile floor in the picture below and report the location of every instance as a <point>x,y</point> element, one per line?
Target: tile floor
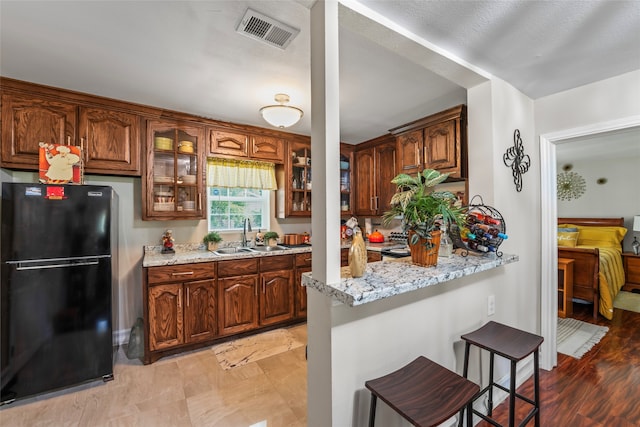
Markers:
<point>191,389</point>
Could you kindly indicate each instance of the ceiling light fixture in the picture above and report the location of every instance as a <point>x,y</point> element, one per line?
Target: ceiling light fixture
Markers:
<point>281,115</point>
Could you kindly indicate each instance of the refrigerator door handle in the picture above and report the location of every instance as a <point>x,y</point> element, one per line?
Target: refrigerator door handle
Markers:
<point>19,266</point>
<point>41,264</point>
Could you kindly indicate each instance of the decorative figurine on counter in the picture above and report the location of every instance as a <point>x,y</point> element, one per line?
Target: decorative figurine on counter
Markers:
<point>259,238</point>
<point>167,242</point>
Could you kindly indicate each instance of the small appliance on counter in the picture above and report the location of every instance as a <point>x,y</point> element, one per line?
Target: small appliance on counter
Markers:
<point>400,250</point>
<point>376,237</point>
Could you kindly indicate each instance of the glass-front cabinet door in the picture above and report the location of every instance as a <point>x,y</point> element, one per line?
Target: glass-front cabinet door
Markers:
<point>174,171</point>
<point>301,182</point>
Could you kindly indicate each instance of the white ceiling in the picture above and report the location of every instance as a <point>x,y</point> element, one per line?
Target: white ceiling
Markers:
<point>604,146</point>
<point>186,55</point>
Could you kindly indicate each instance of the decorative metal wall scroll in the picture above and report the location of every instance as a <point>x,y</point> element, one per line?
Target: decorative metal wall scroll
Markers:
<point>515,159</point>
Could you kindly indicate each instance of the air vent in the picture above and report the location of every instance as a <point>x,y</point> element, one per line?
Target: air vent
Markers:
<point>268,30</point>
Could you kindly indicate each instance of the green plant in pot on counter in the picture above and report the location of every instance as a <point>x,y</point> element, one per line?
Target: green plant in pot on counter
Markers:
<point>271,238</point>
<point>211,240</point>
<point>423,210</point>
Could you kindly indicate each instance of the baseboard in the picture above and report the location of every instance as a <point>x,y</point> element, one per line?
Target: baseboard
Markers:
<point>121,337</point>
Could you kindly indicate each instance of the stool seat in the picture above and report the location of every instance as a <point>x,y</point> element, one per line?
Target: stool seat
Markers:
<point>503,340</point>
<point>423,392</point>
<point>514,345</point>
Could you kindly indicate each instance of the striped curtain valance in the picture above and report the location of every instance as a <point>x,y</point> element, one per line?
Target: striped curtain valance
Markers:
<point>233,173</point>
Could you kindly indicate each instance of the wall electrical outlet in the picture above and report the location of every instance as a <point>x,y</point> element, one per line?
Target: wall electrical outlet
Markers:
<point>491,305</point>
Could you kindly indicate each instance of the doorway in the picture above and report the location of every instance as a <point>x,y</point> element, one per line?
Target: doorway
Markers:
<point>548,227</point>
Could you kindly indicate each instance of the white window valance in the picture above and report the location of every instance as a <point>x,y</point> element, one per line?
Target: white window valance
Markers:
<point>233,173</point>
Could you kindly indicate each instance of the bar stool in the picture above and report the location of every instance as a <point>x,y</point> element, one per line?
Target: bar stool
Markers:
<point>423,392</point>
<point>514,345</point>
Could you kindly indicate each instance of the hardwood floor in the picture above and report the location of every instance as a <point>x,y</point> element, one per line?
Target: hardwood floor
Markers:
<point>602,389</point>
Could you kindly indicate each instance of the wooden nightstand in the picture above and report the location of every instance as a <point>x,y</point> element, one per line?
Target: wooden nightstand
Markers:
<point>565,287</point>
<point>631,264</point>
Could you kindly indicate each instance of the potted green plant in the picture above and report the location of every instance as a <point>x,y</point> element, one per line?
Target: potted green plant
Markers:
<point>211,240</point>
<point>423,210</point>
<point>271,238</point>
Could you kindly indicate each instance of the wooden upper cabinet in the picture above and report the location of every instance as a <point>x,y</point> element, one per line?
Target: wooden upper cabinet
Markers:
<point>267,148</point>
<point>28,120</point>
<point>365,173</point>
<point>227,143</point>
<point>410,151</point>
<point>110,140</point>
<point>442,147</point>
<point>245,145</point>
<point>436,142</point>
<point>107,130</point>
<point>375,167</point>
<point>386,165</point>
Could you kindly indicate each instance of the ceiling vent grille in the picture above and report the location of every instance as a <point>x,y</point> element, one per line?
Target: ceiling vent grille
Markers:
<point>268,30</point>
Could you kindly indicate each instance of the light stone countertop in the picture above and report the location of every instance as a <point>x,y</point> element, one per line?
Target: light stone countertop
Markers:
<point>195,252</point>
<point>384,279</point>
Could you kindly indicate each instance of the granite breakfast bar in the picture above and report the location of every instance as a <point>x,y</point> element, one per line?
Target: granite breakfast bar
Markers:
<point>363,328</point>
<point>384,279</point>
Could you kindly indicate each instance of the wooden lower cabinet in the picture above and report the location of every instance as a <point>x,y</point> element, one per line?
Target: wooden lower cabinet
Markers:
<point>165,316</point>
<point>303,265</point>
<point>276,289</point>
<point>192,305</point>
<point>181,313</point>
<point>276,297</point>
<point>180,309</point>
<point>200,311</point>
<point>238,309</point>
<point>263,298</point>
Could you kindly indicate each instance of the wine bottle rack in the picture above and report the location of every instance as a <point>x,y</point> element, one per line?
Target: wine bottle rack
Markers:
<point>481,214</point>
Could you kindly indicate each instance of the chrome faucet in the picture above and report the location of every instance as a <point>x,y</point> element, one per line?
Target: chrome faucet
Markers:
<point>246,226</point>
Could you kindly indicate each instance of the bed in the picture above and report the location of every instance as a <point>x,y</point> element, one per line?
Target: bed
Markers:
<point>596,248</point>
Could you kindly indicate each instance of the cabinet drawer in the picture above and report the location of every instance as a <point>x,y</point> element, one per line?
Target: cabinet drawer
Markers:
<point>303,260</point>
<point>237,267</point>
<point>173,273</point>
<point>280,262</point>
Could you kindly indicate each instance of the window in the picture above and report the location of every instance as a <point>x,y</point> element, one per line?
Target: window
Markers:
<point>228,207</point>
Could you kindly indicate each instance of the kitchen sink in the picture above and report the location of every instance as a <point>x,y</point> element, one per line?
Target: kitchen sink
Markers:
<point>268,248</point>
<point>229,251</point>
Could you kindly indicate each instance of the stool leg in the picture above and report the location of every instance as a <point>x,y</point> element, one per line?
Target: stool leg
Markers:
<point>512,394</point>
<point>465,371</point>
<point>536,388</point>
<point>490,402</point>
<point>372,410</point>
<point>470,414</point>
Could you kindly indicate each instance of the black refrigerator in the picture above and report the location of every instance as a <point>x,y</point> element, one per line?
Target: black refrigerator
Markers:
<point>56,295</point>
